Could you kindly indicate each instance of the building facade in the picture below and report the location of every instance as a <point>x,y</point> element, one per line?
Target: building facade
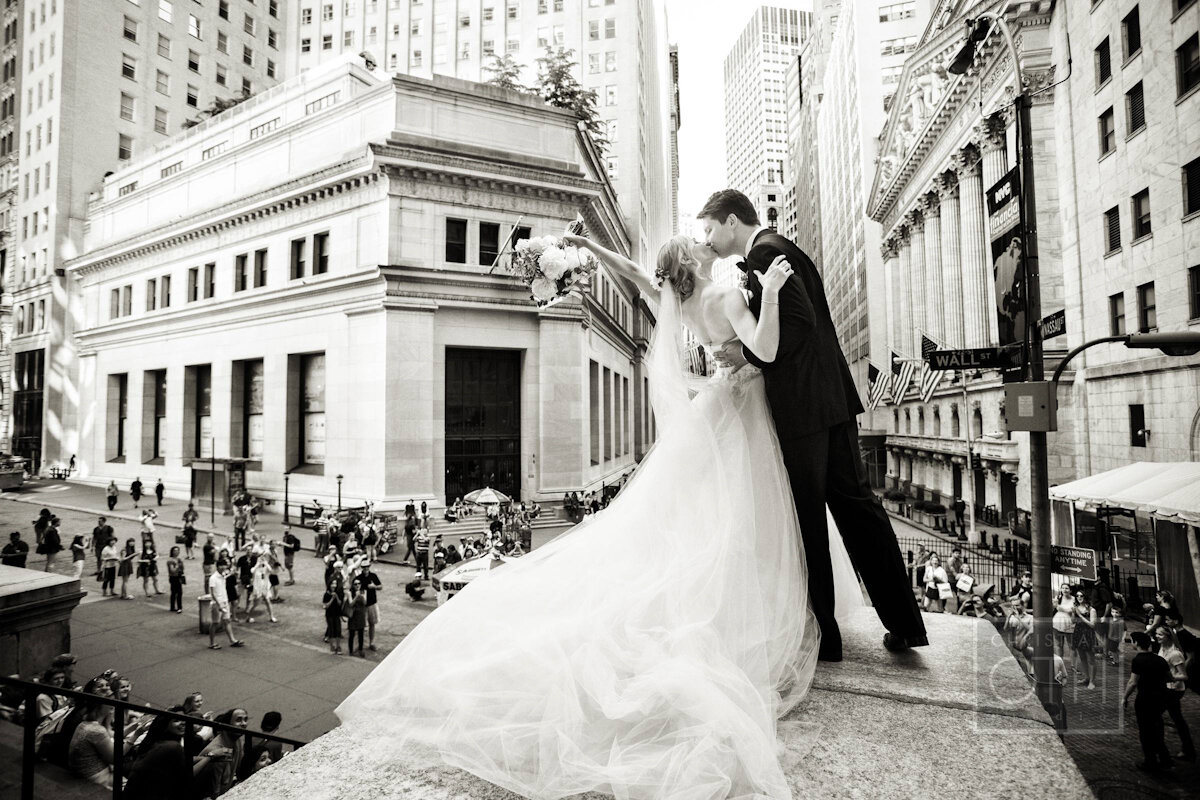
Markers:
<point>756,123</point>
<point>10,135</point>
<point>621,47</point>
<point>305,283</point>
<point>102,83</point>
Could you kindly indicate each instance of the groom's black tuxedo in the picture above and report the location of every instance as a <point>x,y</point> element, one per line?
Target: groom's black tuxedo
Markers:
<point>814,402</point>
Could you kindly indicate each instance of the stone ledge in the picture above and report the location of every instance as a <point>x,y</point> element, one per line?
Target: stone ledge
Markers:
<point>889,724</point>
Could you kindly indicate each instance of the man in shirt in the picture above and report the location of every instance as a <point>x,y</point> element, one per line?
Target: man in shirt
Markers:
<point>100,536</point>
<point>371,583</point>
<point>222,614</point>
<point>15,552</point>
<point>291,546</point>
<point>1148,674</point>
<point>111,494</point>
<point>209,564</point>
<point>421,543</point>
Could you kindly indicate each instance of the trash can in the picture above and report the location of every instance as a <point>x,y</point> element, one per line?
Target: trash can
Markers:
<point>204,601</point>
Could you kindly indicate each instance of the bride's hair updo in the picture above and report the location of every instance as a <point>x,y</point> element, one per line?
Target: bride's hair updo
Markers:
<point>676,264</point>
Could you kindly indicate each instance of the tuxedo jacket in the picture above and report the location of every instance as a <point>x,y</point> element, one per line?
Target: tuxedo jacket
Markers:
<point>808,385</point>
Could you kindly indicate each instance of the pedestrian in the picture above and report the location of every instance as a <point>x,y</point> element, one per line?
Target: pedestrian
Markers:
<point>147,518</point>
<point>71,464</point>
<point>1083,641</point>
<point>937,584</point>
<point>1148,675</point>
<point>128,554</point>
<point>135,491</point>
<point>259,588</point>
<point>356,614</point>
<point>410,535</point>
<point>334,601</point>
<point>224,753</point>
<point>222,611</point>
<point>291,546</point>
<point>110,560</point>
<point>162,768</point>
<point>78,556</point>
<point>274,566</point>
<point>148,565</point>
<point>243,580</point>
<point>1170,651</point>
<point>960,509</point>
<point>369,540</point>
<point>159,489</point>
<point>1115,630</point>
<point>241,520</point>
<point>1063,621</point>
<point>15,552</point>
<point>51,544</point>
<point>39,526</point>
<point>177,579</point>
<point>1156,612</point>
<point>209,558</point>
<point>189,529</point>
<point>439,555</point>
<point>111,493</point>
<point>421,541</point>
<point>100,536</point>
<point>410,510</point>
<point>372,585</point>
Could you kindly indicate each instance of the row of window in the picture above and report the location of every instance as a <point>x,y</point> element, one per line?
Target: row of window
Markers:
<point>897,11</point>
<point>28,321</point>
<point>1147,311</point>
<point>512,10</point>
<point>610,418</point>
<point>166,9</point>
<point>41,181</point>
<point>307,256</point>
<point>1139,205</point>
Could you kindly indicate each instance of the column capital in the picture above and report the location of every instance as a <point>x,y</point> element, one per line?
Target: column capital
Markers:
<point>915,220</point>
<point>889,248</point>
<point>991,134</point>
<point>963,162</point>
<point>901,232</point>
<point>930,204</point>
<point>946,185</point>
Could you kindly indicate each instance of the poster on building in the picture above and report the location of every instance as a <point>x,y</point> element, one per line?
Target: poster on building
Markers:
<point>314,438</point>
<point>206,437</point>
<point>1008,273</point>
<point>254,436</point>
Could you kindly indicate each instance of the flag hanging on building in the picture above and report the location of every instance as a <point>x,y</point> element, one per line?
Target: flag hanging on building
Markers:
<point>902,372</point>
<point>930,378</point>
<point>877,386</point>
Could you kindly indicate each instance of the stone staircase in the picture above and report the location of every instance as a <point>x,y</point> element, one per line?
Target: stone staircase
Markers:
<point>477,524</point>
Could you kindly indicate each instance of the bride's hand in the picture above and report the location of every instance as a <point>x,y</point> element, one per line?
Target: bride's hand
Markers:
<point>776,276</point>
<point>578,241</point>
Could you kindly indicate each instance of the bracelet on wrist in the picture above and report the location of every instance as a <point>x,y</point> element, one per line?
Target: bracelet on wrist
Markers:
<point>770,302</point>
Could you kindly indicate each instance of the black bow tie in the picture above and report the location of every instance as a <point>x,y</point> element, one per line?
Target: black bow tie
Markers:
<point>743,266</point>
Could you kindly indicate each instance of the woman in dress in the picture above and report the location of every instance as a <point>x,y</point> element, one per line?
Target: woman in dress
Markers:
<point>566,671</point>
<point>1083,641</point>
<point>260,587</point>
<point>148,565</point>
<point>334,601</point>
<point>128,555</point>
<point>1063,623</point>
<point>935,578</point>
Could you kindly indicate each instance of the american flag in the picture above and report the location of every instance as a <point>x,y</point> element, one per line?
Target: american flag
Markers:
<point>902,372</point>
<point>877,386</point>
<point>930,378</point>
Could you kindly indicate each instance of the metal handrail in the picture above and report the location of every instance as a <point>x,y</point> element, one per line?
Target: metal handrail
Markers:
<point>32,689</point>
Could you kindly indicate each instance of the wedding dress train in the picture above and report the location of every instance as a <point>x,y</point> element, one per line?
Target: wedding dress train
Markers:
<point>649,651</point>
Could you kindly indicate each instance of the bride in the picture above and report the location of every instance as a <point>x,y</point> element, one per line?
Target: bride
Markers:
<point>649,651</point>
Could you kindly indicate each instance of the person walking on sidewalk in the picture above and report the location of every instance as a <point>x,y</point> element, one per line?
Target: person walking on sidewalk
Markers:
<point>148,565</point>
<point>126,567</point>
<point>78,556</point>
<point>110,558</point>
<point>176,578</point>
<point>291,546</point>
<point>421,542</point>
<point>39,527</point>
<point>111,492</point>
<point>222,614</point>
<point>15,552</point>
<point>1171,652</point>
<point>51,544</point>
<point>135,491</point>
<point>147,518</point>
<point>100,536</point>
<point>189,529</point>
<point>1148,675</point>
<point>158,491</point>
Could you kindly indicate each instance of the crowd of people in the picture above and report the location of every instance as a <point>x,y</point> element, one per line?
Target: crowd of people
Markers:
<point>161,757</point>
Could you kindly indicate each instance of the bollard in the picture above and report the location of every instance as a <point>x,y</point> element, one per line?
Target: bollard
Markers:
<point>996,543</point>
<point>204,602</point>
<point>983,540</point>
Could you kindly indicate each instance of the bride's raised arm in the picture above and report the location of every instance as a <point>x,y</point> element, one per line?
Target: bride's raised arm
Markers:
<point>618,264</point>
<point>762,335</point>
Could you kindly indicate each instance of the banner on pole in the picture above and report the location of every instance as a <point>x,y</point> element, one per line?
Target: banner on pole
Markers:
<point>1008,266</point>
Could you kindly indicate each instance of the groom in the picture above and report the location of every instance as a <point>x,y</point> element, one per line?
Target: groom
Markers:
<point>814,403</point>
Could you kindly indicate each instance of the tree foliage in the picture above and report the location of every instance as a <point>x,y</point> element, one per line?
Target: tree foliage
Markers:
<point>218,105</point>
<point>558,86</point>
<point>506,73</point>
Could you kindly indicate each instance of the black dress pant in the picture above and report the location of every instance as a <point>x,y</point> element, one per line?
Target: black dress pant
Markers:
<point>826,468</point>
<point>176,592</point>
<point>1174,697</point>
<point>1150,731</point>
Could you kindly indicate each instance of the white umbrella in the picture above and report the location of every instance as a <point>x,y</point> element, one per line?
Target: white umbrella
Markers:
<point>487,496</point>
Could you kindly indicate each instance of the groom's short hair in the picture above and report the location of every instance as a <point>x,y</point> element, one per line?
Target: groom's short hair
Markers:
<point>729,201</point>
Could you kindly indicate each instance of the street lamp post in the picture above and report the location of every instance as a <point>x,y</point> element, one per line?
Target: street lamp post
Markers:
<point>339,480</point>
<point>286,519</point>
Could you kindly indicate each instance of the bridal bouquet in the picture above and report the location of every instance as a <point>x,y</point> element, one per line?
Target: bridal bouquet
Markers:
<point>550,267</point>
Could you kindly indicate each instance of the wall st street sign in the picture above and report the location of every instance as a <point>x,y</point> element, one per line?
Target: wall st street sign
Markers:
<point>975,358</point>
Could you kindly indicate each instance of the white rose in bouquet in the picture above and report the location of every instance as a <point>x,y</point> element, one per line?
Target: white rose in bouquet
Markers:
<point>544,289</point>
<point>553,262</point>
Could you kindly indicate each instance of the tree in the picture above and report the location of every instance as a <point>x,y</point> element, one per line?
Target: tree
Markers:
<point>506,73</point>
<point>558,86</point>
<point>218,105</point>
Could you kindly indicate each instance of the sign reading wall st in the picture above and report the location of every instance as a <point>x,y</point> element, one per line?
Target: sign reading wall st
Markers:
<point>976,358</point>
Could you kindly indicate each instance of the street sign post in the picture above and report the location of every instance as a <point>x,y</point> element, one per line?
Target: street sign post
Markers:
<point>1078,562</point>
<point>1054,325</point>
<point>976,358</point>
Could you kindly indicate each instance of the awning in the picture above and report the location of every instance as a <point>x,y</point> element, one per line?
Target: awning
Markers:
<point>1169,490</point>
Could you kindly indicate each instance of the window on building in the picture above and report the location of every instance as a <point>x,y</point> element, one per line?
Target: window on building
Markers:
<point>248,25</point>
<point>210,280</point>
<point>1187,65</point>
<point>887,13</point>
<point>306,16</point>
<point>1141,214</point>
<point>160,120</point>
<point>241,272</point>
<point>128,188</point>
<point>312,409</point>
<point>1135,109</point>
<point>327,12</point>
<point>464,21</point>
<point>1147,310</point>
<point>155,402</point>
<point>151,294</point>
<point>164,291</point>
<point>193,61</point>
<point>464,51</point>
<point>320,253</point>
<point>347,38</point>
<point>222,75</point>
<point>118,411</point>
<point>124,147</point>
<point>164,46</point>
<point>193,287</point>
<point>512,46</point>
<point>193,26</point>
<point>489,242</point>
<point>306,45</point>
<point>198,409</point>
<point>610,29</point>
<point>126,106</point>
<point>327,41</point>
<point>1116,314</point>
<point>131,29</point>
<point>610,95</point>
<point>260,268</point>
<point>611,166</point>
<point>1137,425</point>
<point>129,67</point>
<point>247,87</point>
<point>1194,293</point>
<point>273,8</point>
<point>1112,230</point>
<point>593,63</point>
<point>299,259</point>
<point>252,406</point>
<point>514,9</point>
<point>270,68</point>
<point>594,411</point>
<point>1108,132</point>
<point>247,56</point>
<point>273,38</point>
<point>1131,34</point>
<point>223,9</point>
<point>593,30</point>
<point>610,61</point>
<point>193,97</point>
<point>543,7</point>
<point>222,43</point>
<point>126,299</point>
<point>165,11</point>
<point>456,241</point>
<point>1103,63</point>
<point>1191,187</point>
<point>489,47</point>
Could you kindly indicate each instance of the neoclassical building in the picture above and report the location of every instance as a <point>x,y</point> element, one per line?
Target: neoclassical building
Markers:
<point>306,282</point>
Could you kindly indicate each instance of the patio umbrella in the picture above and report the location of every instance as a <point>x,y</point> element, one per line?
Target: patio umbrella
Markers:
<point>487,496</point>
<point>453,578</point>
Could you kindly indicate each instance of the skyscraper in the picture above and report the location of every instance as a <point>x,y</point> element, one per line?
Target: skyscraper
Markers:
<point>621,48</point>
<point>756,105</point>
<point>10,134</point>
<point>676,120</point>
<point>101,82</point>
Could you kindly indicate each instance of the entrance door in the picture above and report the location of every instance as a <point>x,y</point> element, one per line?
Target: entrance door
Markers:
<point>27,407</point>
<point>1008,495</point>
<point>958,490</point>
<point>980,491</point>
<point>483,421</point>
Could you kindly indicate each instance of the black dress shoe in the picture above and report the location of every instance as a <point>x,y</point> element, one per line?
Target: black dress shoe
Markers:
<point>829,654</point>
<point>898,644</point>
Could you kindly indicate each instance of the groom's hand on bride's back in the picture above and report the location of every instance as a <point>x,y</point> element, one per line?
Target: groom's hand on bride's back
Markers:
<point>731,355</point>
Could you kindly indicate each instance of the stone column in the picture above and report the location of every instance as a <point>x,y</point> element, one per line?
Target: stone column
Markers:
<point>973,249</point>
<point>891,284</point>
<point>952,290</point>
<point>917,282</point>
<point>994,146</point>
<point>935,311</point>
<point>904,273</point>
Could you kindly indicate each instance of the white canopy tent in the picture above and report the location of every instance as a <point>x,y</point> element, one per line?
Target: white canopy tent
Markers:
<point>1165,490</point>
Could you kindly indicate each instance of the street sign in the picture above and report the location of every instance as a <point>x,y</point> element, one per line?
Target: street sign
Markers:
<point>977,358</point>
<point>1054,325</point>
<point>1078,562</point>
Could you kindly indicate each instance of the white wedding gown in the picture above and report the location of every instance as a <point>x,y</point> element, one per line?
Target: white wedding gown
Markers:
<point>649,651</point>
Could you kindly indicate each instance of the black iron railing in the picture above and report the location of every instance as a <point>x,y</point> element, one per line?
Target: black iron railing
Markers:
<point>30,690</point>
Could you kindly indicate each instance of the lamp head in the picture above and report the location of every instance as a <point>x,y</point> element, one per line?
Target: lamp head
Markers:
<point>1182,343</point>
<point>977,31</point>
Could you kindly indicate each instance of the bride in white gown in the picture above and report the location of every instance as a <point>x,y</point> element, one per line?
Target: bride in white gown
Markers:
<point>649,651</point>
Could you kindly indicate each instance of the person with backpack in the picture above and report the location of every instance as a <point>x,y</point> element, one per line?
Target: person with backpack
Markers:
<point>51,544</point>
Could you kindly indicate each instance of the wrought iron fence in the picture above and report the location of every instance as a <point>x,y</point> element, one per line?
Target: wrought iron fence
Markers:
<point>1002,569</point>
